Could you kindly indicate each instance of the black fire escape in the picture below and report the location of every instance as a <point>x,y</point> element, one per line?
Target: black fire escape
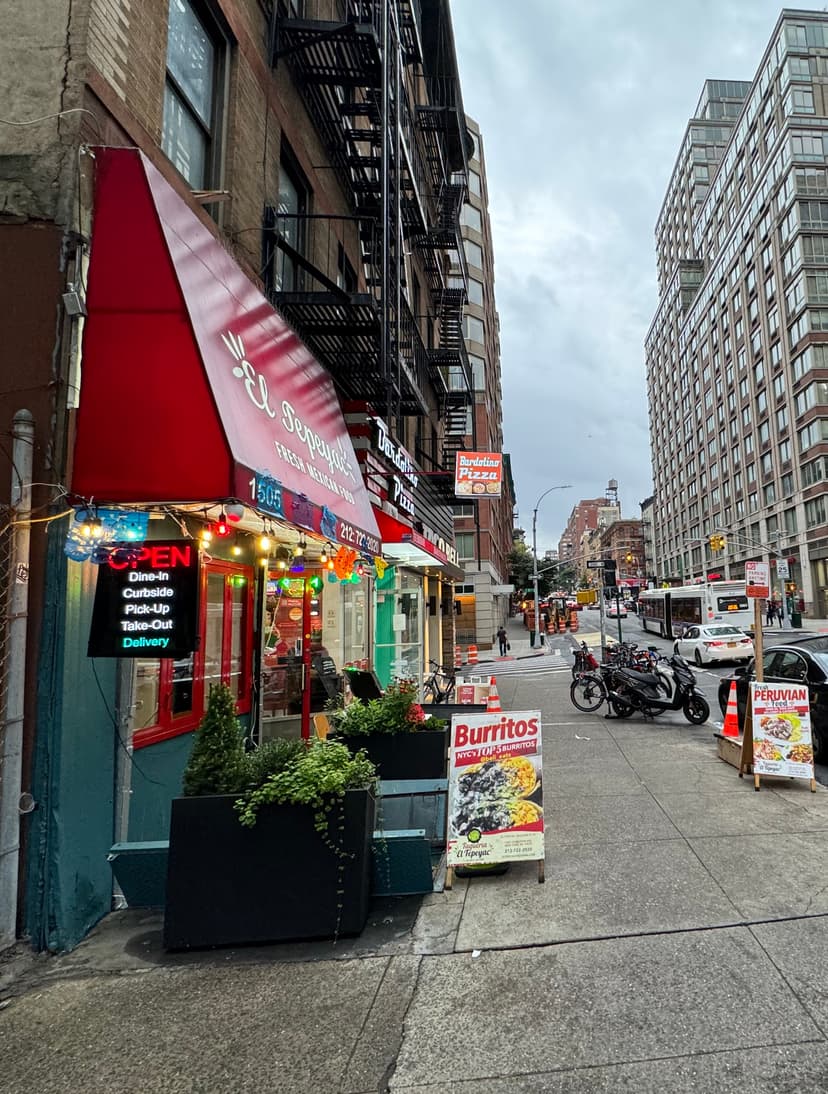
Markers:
<point>403,167</point>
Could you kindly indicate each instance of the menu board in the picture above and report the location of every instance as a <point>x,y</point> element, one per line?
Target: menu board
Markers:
<point>782,730</point>
<point>495,798</point>
<point>146,601</point>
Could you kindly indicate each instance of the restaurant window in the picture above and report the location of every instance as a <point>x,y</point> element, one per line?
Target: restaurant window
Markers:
<point>193,92</point>
<point>169,696</point>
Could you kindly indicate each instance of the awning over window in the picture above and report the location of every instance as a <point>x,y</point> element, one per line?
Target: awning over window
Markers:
<point>405,545</point>
<point>193,387</point>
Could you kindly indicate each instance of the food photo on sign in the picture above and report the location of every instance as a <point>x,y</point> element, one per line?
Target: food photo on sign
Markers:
<point>495,807</point>
<point>782,730</point>
<point>478,474</point>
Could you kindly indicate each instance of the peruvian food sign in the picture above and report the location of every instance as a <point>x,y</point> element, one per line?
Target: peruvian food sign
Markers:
<point>495,800</point>
<point>782,742</point>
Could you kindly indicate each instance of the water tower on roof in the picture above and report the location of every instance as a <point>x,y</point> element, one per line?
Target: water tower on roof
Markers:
<point>612,492</point>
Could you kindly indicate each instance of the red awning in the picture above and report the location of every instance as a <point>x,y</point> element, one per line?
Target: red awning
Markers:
<point>403,544</point>
<point>193,387</point>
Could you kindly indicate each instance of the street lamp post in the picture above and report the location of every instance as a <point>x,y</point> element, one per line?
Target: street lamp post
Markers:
<point>535,557</point>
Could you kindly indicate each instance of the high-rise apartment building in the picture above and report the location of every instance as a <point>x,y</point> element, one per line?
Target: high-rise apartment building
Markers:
<point>483,527</point>
<point>737,354</point>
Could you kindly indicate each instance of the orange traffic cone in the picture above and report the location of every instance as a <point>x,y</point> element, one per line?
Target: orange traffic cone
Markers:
<point>731,722</point>
<point>493,702</point>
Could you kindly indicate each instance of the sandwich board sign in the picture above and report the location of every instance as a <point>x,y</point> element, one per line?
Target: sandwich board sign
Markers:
<point>495,799</point>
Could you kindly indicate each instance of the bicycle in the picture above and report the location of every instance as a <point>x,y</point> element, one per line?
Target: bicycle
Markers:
<point>439,686</point>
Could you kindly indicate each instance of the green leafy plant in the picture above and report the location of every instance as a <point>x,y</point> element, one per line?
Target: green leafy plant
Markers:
<point>316,776</point>
<point>396,712</point>
<point>268,759</point>
<point>216,762</point>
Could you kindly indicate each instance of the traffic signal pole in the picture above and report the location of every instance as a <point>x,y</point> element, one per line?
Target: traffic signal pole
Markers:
<point>718,542</point>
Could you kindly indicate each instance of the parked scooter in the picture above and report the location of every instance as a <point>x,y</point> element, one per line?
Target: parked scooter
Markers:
<point>670,686</point>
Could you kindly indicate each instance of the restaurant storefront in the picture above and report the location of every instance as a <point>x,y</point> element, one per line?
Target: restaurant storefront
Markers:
<point>202,415</point>
<point>413,598</point>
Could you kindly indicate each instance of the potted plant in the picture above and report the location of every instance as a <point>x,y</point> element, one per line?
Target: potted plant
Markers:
<point>396,734</point>
<point>267,846</point>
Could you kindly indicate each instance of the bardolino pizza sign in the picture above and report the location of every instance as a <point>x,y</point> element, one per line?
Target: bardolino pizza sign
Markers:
<point>495,799</point>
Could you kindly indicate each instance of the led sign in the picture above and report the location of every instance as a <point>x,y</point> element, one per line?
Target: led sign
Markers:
<point>146,602</point>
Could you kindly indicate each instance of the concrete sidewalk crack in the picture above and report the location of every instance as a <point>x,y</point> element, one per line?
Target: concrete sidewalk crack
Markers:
<point>385,1082</point>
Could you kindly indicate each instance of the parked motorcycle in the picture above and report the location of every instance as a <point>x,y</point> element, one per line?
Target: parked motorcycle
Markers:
<point>671,685</point>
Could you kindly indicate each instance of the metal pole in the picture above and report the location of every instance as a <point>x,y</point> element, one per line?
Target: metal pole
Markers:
<point>603,620</point>
<point>11,760</point>
<point>782,582</point>
<point>384,226</point>
<point>536,642</point>
<point>566,486</point>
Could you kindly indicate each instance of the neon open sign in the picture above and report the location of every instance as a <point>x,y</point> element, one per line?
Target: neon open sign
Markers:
<point>146,602</point>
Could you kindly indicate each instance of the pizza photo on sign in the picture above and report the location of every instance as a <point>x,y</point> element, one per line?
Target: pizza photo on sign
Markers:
<point>479,474</point>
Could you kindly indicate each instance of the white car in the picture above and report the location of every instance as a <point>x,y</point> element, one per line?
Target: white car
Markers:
<point>714,642</point>
<point>616,610</point>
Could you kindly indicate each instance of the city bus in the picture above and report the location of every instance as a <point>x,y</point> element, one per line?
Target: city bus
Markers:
<point>669,612</point>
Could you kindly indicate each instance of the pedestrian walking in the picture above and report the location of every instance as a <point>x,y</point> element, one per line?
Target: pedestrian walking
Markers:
<point>502,639</point>
<point>780,613</point>
<point>770,613</point>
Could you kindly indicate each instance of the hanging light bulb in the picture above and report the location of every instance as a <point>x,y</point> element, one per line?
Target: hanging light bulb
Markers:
<point>263,561</point>
<point>264,542</point>
<point>221,528</point>
<point>236,550</point>
<point>323,556</point>
<point>299,549</point>
<point>206,535</point>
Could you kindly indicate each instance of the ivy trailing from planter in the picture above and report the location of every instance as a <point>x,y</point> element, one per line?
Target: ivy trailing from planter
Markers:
<point>316,776</point>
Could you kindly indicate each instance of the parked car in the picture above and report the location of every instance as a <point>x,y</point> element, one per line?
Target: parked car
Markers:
<point>790,663</point>
<point>617,609</point>
<point>714,642</point>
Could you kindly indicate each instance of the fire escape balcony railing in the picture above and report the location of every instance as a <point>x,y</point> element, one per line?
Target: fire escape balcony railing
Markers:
<point>342,328</point>
<point>338,71</point>
<point>444,237</point>
<point>414,365</point>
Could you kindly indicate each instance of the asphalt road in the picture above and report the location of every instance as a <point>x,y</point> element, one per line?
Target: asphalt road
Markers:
<point>708,677</point>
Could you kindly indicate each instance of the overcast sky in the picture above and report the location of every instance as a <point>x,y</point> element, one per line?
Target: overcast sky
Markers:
<point>583,105</point>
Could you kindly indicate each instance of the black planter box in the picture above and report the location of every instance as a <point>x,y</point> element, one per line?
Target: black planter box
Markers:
<point>446,710</point>
<point>230,885</point>
<point>418,755</point>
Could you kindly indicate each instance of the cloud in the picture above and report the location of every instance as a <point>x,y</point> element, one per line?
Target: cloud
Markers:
<point>583,105</point>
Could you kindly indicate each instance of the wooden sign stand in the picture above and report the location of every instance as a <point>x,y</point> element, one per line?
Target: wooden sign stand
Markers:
<point>746,759</point>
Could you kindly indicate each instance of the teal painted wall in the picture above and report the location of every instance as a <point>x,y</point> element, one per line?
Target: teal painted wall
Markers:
<point>69,879</point>
<point>157,772</point>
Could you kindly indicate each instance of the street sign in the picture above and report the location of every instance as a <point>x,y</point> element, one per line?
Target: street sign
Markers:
<point>757,580</point>
<point>782,568</point>
<point>595,564</point>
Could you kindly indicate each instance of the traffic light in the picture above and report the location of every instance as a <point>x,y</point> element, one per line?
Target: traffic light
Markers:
<point>717,543</point>
<point>609,579</point>
<point>628,556</point>
<point>790,587</point>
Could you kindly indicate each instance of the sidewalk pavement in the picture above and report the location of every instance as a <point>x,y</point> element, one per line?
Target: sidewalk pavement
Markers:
<point>679,944</point>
